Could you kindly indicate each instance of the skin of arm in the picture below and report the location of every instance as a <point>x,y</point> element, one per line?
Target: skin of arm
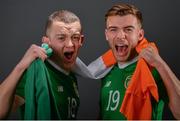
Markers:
<point>170,80</point>
<point>8,86</point>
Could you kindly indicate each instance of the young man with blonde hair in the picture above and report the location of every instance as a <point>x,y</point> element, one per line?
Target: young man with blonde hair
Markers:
<point>48,90</point>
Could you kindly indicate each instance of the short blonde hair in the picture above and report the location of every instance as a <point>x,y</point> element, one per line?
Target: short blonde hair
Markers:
<point>64,16</point>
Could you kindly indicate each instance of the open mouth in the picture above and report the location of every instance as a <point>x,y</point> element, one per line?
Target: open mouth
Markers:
<point>68,55</point>
<point>121,49</point>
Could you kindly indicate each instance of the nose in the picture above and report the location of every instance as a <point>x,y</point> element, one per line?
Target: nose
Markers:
<point>69,43</point>
<point>120,34</point>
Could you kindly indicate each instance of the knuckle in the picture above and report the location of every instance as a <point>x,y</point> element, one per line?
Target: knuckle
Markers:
<point>33,45</point>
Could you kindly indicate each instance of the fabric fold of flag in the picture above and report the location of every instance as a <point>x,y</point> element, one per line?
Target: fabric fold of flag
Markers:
<point>39,96</point>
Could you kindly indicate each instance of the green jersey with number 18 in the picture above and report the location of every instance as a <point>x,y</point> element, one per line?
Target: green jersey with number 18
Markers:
<point>65,91</point>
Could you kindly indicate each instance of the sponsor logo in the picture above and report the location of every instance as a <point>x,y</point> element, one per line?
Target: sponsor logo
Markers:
<point>60,89</point>
<point>108,83</point>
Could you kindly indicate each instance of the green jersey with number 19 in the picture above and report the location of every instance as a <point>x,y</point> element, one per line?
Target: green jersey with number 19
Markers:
<point>113,88</point>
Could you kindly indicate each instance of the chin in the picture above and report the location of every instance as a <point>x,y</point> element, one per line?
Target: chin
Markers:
<point>121,58</point>
<point>69,66</point>
<point>68,69</point>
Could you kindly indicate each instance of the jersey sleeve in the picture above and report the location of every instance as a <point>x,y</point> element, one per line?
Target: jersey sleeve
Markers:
<point>161,87</point>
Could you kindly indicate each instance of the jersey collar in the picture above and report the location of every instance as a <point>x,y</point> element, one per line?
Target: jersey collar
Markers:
<point>57,67</point>
<point>124,65</point>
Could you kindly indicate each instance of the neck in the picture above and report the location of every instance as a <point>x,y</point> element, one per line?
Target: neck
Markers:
<point>125,64</point>
<point>132,55</point>
<point>59,63</point>
<point>58,67</point>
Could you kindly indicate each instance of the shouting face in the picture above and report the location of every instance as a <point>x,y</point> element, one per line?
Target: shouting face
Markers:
<point>123,34</point>
<point>65,40</point>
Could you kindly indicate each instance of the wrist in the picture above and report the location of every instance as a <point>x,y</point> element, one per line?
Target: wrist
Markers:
<point>160,64</point>
<point>19,68</point>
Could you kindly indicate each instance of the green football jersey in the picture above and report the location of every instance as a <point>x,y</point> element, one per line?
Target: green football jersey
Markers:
<point>113,88</point>
<point>65,91</point>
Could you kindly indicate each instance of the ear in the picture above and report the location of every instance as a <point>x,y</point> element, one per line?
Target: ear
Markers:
<point>46,40</point>
<point>106,34</point>
<point>81,40</point>
<point>141,34</point>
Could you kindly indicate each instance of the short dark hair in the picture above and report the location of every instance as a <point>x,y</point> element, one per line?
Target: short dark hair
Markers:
<point>123,9</point>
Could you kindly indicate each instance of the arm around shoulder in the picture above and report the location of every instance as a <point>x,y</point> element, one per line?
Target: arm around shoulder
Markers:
<point>7,90</point>
<point>8,86</point>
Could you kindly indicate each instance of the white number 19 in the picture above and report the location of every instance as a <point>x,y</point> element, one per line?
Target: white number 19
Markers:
<point>114,99</point>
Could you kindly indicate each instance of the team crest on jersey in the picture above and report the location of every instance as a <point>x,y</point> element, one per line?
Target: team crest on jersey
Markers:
<point>127,81</point>
<point>76,89</point>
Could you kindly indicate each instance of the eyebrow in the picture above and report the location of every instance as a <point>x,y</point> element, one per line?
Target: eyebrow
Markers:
<point>129,27</point>
<point>77,34</point>
<point>63,34</point>
<point>111,27</point>
<point>114,27</point>
<point>60,34</point>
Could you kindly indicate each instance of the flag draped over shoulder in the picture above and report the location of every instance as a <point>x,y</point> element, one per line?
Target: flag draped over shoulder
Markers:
<point>39,96</point>
<point>137,102</point>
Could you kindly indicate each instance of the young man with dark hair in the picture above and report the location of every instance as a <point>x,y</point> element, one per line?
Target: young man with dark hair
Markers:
<point>123,91</point>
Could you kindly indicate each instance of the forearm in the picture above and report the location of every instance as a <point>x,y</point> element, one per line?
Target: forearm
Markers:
<point>172,85</point>
<point>8,86</point>
<point>7,90</point>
